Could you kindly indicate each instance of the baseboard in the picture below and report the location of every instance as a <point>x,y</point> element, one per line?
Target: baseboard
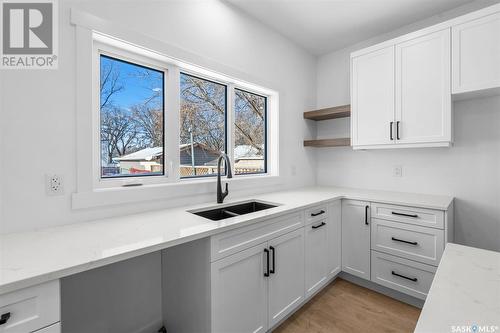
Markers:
<point>150,328</point>
<point>382,290</point>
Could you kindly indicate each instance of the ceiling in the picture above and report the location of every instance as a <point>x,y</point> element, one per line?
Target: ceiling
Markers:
<point>321,26</point>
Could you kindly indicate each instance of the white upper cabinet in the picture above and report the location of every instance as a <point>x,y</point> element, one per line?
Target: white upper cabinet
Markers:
<point>372,101</point>
<point>401,93</point>
<point>423,89</point>
<point>476,54</point>
<point>401,89</point>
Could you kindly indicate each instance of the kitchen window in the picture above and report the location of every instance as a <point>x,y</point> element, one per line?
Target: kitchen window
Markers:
<point>203,118</point>
<point>250,133</point>
<point>158,125</point>
<point>131,104</point>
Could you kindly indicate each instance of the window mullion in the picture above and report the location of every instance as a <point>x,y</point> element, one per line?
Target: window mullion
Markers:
<point>230,125</point>
<point>172,123</point>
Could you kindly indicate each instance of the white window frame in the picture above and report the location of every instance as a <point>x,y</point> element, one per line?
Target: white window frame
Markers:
<point>142,60</point>
<point>93,35</point>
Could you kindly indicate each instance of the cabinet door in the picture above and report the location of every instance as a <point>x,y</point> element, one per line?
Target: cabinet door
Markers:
<point>316,256</point>
<point>372,102</point>
<point>32,308</point>
<point>423,89</point>
<point>356,238</point>
<point>476,54</point>
<point>286,280</point>
<point>334,238</point>
<point>239,292</point>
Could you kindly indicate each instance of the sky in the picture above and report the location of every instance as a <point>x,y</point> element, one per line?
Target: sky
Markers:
<point>136,89</point>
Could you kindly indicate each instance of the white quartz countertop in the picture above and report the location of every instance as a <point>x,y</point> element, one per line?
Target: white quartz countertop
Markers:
<point>29,258</point>
<point>465,293</point>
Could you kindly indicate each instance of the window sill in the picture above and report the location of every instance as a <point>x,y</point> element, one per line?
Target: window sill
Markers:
<point>184,188</point>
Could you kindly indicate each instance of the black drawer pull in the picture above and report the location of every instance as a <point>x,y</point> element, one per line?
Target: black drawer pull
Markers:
<point>266,273</point>
<point>390,131</point>
<point>4,318</point>
<point>403,241</point>
<point>318,213</point>
<point>397,130</point>
<point>404,277</point>
<point>407,215</point>
<point>366,214</point>
<point>319,225</point>
<point>273,270</point>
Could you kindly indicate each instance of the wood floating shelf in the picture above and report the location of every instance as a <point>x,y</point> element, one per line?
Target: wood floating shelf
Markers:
<point>329,113</point>
<point>323,143</point>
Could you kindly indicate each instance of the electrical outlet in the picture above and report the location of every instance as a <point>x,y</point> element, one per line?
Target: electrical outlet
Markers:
<point>397,171</point>
<point>293,170</point>
<point>54,185</point>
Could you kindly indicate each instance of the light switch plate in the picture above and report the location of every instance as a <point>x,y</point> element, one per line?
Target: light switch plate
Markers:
<point>397,171</point>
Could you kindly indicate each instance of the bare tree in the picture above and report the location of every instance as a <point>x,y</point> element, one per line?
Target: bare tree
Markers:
<point>249,121</point>
<point>118,133</point>
<point>150,122</point>
<point>110,84</point>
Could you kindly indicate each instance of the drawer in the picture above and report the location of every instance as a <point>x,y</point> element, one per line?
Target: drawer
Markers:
<point>316,213</point>
<point>239,239</point>
<point>412,215</point>
<point>31,308</point>
<point>417,243</point>
<point>409,277</point>
<point>56,328</point>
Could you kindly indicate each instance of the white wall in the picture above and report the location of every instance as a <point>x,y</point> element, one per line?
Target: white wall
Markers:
<point>38,107</point>
<point>469,171</point>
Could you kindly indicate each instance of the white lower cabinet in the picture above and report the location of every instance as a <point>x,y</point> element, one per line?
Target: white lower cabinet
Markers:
<point>286,277</point>
<point>239,292</point>
<point>407,276</point>
<point>356,238</point>
<point>30,309</point>
<point>254,289</point>
<point>316,256</point>
<point>334,252</point>
<point>323,248</point>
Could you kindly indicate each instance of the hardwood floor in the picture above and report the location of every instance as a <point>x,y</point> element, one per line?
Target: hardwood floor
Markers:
<point>345,307</point>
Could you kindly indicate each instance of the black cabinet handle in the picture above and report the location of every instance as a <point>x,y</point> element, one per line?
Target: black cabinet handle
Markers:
<point>404,277</point>
<point>397,130</point>
<point>402,214</point>
<point>403,241</point>
<point>390,130</point>
<point>319,225</point>
<point>272,271</point>
<point>318,213</point>
<point>4,318</point>
<point>266,273</point>
<point>366,214</point>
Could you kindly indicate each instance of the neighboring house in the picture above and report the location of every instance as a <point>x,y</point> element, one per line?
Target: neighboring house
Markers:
<point>248,159</point>
<point>151,159</point>
<point>142,161</point>
<point>202,155</point>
